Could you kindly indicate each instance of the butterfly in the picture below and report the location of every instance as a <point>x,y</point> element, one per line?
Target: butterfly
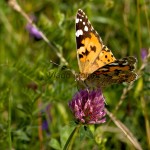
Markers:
<point>97,64</point>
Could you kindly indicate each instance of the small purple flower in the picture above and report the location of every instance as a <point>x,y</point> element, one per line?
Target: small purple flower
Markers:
<point>34,32</point>
<point>144,53</point>
<point>47,119</point>
<point>45,126</point>
<point>88,107</point>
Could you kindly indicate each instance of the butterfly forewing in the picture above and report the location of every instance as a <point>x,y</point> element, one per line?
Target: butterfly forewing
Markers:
<point>91,52</point>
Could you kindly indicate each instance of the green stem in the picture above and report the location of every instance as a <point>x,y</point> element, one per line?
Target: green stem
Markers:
<point>70,141</point>
<point>9,121</point>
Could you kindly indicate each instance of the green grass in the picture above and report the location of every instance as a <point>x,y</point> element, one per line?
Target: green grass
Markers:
<point>28,86</point>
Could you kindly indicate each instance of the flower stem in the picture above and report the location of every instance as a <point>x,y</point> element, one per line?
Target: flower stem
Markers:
<point>9,120</point>
<point>70,141</point>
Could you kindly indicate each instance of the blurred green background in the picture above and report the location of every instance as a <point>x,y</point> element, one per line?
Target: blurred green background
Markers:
<point>33,93</point>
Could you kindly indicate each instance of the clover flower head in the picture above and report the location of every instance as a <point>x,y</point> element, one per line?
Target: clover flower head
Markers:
<point>88,107</point>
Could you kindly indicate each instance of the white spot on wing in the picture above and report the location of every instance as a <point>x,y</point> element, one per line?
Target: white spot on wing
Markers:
<point>79,32</point>
<point>115,64</point>
<point>85,28</point>
<point>103,69</point>
<point>81,20</point>
<point>126,63</point>
<point>83,23</point>
<point>77,20</point>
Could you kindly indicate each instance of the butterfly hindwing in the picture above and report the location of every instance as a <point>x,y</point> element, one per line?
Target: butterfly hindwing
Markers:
<point>91,52</point>
<point>119,71</point>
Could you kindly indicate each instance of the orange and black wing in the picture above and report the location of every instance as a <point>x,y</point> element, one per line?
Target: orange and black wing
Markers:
<point>91,52</point>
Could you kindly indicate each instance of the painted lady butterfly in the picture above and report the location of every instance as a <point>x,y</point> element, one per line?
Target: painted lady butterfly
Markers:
<point>98,66</point>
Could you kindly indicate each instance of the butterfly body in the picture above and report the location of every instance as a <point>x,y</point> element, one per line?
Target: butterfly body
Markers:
<point>97,64</point>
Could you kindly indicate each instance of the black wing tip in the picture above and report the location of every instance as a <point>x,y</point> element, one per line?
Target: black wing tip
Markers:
<point>80,12</point>
<point>133,59</point>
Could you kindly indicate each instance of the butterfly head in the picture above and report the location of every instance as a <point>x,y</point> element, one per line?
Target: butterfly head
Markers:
<point>81,76</point>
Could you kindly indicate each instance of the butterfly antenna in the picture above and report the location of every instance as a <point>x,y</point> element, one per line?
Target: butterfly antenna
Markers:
<point>52,62</point>
<point>64,67</point>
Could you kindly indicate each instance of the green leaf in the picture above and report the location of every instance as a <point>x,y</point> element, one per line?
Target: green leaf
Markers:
<point>54,144</point>
<point>65,132</point>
